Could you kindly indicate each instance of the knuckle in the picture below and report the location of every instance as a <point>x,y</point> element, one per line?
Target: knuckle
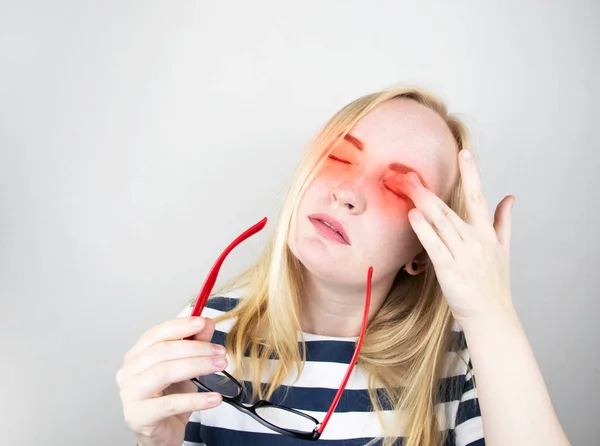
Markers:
<point>445,209</point>
<point>475,247</point>
<point>169,406</point>
<point>477,197</point>
<point>164,373</point>
<point>440,223</point>
<point>131,418</point>
<point>202,348</point>
<point>161,350</point>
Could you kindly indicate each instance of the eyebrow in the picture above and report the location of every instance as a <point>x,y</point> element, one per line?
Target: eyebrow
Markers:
<point>396,167</point>
<point>354,141</point>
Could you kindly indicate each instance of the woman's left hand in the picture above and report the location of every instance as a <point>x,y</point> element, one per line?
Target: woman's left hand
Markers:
<point>470,257</point>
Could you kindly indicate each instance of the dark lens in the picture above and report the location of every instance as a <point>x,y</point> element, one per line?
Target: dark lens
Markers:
<point>285,419</point>
<point>217,382</point>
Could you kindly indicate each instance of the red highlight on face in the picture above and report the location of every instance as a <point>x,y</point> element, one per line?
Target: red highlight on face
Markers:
<point>392,188</point>
<point>394,179</point>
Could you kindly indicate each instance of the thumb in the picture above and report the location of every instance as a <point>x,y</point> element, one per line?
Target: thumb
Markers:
<point>503,221</point>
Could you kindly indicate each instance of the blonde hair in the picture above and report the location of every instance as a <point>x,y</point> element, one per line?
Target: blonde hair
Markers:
<point>406,341</point>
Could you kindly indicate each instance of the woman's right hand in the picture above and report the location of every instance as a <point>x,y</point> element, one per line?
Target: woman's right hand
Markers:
<point>154,381</point>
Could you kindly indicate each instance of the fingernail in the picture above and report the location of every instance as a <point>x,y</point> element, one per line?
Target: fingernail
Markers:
<point>412,180</point>
<point>219,362</point>
<point>197,321</point>
<point>218,350</point>
<point>466,154</point>
<point>212,398</point>
<point>416,215</point>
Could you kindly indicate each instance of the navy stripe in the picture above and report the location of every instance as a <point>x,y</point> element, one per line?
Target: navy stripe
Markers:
<point>450,438</point>
<point>458,341</point>
<point>480,442</point>
<point>468,385</point>
<point>227,437</point>
<point>319,399</point>
<point>222,303</point>
<point>352,400</point>
<point>449,389</point>
<point>467,410</point>
<point>192,432</point>
<point>325,351</point>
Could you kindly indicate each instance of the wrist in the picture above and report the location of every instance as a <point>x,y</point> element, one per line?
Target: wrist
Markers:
<point>494,318</point>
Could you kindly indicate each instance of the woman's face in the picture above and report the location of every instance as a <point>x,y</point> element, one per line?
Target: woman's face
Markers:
<point>353,191</point>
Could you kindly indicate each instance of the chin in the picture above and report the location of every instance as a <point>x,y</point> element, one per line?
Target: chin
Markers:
<point>322,261</point>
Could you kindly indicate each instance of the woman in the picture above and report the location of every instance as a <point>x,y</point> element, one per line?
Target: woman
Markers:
<point>385,210</point>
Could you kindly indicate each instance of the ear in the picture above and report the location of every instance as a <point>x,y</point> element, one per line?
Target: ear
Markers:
<point>422,258</point>
<point>420,261</point>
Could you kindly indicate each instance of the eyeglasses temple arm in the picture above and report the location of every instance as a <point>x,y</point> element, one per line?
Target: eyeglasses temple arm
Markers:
<point>354,357</point>
<point>211,278</point>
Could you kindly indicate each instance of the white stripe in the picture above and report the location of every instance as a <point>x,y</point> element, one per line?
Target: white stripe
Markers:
<point>316,374</point>
<point>469,431</point>
<point>330,374</point>
<point>468,395</point>
<point>447,414</point>
<point>342,425</point>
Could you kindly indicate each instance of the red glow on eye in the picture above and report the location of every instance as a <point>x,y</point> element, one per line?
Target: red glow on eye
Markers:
<point>388,196</point>
<point>335,158</point>
<point>394,184</point>
<point>399,193</point>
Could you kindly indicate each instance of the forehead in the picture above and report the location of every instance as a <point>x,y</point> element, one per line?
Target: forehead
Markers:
<point>404,131</point>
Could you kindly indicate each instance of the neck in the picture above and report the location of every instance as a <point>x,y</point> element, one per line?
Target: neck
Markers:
<point>334,309</point>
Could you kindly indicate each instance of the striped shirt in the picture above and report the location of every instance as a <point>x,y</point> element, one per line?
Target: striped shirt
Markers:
<point>354,422</point>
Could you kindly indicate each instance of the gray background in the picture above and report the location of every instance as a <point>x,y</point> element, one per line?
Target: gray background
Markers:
<point>138,138</point>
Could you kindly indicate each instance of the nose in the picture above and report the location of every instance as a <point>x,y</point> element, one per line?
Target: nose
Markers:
<point>349,194</point>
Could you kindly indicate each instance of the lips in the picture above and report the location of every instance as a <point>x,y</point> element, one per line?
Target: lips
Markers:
<point>327,223</point>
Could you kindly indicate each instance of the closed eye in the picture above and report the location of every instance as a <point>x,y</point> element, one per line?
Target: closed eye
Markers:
<point>396,190</point>
<point>400,194</point>
<point>335,158</point>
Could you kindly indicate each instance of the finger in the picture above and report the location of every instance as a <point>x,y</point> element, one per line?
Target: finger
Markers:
<point>170,330</point>
<point>475,202</point>
<point>172,350</point>
<point>503,222</point>
<point>448,225</point>
<point>151,382</point>
<point>206,334</point>
<point>157,409</point>
<point>438,252</point>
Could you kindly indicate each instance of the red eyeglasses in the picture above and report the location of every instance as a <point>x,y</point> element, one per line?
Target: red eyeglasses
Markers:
<point>281,419</point>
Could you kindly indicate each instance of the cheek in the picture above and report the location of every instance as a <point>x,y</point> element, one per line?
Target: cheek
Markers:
<point>389,206</point>
<point>332,170</point>
<point>389,225</point>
